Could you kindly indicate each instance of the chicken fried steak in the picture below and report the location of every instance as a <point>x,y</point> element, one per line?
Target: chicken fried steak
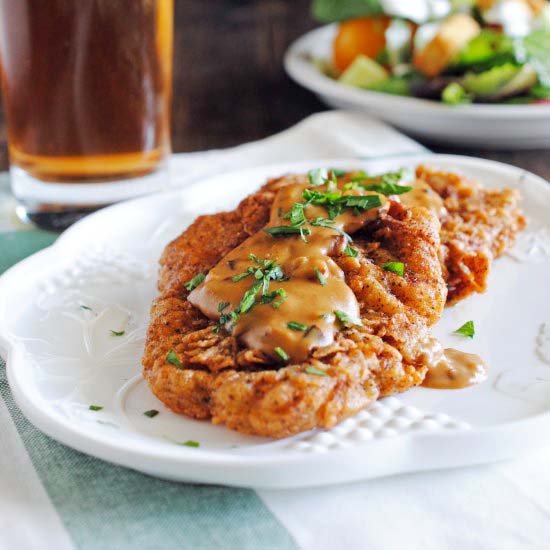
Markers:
<point>313,298</point>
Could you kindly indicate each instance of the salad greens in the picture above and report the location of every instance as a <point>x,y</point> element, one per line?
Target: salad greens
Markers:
<point>329,11</point>
<point>493,66</point>
<point>537,52</point>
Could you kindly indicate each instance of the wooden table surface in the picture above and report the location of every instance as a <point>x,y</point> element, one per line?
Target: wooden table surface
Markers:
<point>229,82</point>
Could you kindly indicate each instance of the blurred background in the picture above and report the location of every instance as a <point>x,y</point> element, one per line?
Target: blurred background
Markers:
<point>229,83</point>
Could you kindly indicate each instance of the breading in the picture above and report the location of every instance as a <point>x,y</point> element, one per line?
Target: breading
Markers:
<point>477,226</point>
<point>244,389</point>
<point>455,32</point>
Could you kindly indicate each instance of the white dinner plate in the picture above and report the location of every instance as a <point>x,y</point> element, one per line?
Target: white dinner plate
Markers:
<point>62,357</point>
<point>489,126</point>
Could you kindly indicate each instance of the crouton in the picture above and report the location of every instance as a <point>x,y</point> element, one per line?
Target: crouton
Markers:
<point>455,32</point>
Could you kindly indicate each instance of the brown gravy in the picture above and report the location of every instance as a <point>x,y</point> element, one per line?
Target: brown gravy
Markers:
<point>454,370</point>
<point>422,194</point>
<point>307,302</point>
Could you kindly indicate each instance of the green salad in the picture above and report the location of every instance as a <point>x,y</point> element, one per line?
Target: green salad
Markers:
<point>483,51</point>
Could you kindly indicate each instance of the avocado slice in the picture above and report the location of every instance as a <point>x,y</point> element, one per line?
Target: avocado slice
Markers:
<point>364,72</point>
<point>499,82</point>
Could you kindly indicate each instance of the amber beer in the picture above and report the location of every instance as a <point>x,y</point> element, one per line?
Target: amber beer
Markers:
<point>86,87</point>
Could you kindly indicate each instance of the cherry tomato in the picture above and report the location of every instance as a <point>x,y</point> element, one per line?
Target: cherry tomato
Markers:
<point>365,35</point>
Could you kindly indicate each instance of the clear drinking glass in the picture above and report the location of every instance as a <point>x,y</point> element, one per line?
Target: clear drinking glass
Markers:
<point>86,89</point>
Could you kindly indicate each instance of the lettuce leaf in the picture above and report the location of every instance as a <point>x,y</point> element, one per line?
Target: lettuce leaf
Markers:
<point>329,11</point>
<point>536,47</point>
<point>488,49</point>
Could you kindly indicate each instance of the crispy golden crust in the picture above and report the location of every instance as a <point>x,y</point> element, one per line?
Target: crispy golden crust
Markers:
<point>242,388</point>
<point>480,225</point>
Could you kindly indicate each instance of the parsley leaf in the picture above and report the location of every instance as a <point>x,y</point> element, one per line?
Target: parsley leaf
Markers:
<point>249,298</point>
<point>467,329</point>
<point>296,214</point>
<point>345,320</point>
<point>195,282</point>
<point>95,407</point>
<point>279,230</point>
<point>320,276</point>
<point>385,184</point>
<point>190,443</point>
<point>317,176</point>
<point>338,172</point>
<point>314,370</point>
<point>386,188</point>
<point>335,202</point>
<point>117,332</point>
<point>281,353</point>
<point>151,414</point>
<point>294,325</point>
<point>353,252</point>
<point>395,267</point>
<point>173,359</point>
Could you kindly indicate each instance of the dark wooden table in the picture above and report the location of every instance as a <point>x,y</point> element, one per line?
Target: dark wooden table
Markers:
<point>230,86</point>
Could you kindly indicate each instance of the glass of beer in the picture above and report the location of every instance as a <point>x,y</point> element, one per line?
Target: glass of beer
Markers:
<point>86,89</point>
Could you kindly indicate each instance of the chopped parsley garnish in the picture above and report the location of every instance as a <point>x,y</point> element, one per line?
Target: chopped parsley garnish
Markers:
<point>95,407</point>
<point>282,230</point>
<point>314,370</point>
<point>318,176</point>
<point>263,272</point>
<point>335,201</point>
<point>173,359</point>
<point>395,267</point>
<point>363,202</point>
<point>117,332</point>
<point>191,443</point>
<point>195,282</point>
<point>294,325</point>
<point>385,184</point>
<point>353,252</point>
<point>151,414</point>
<point>296,215</point>
<point>338,172</point>
<point>322,279</point>
<point>281,353</point>
<point>249,298</point>
<point>345,320</point>
<point>85,308</point>
<point>386,188</point>
<point>222,306</point>
<point>240,276</point>
<point>269,298</point>
<point>312,196</point>
<point>467,329</point>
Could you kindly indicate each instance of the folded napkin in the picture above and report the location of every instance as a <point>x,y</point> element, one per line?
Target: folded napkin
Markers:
<point>52,497</point>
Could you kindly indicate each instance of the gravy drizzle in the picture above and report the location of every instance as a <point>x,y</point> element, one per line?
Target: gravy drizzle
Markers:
<point>304,265</point>
<point>451,369</point>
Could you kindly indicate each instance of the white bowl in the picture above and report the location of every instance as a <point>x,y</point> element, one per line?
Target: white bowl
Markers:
<point>478,126</point>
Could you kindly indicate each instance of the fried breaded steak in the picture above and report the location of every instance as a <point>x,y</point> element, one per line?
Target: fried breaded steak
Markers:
<point>222,380</point>
<point>448,245</point>
<point>477,226</point>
